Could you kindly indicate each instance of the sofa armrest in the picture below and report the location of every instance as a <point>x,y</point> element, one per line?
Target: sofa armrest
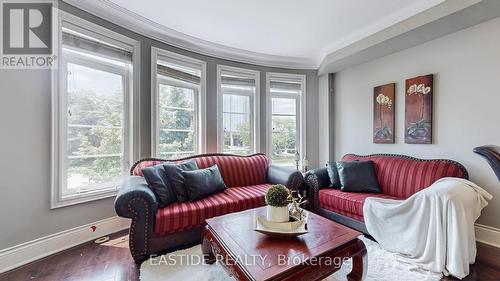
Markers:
<point>314,180</point>
<point>135,189</point>
<point>286,176</point>
<point>136,201</point>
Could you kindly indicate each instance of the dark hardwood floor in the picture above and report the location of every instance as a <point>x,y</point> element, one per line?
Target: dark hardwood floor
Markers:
<point>111,261</point>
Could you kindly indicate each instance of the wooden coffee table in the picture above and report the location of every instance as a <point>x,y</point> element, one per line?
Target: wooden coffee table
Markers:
<point>250,255</point>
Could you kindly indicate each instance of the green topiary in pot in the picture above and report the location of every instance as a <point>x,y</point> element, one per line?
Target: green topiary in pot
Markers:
<point>278,195</point>
<point>277,199</point>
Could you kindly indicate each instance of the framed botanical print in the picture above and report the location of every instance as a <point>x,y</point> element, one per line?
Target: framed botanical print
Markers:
<point>418,109</point>
<point>383,113</point>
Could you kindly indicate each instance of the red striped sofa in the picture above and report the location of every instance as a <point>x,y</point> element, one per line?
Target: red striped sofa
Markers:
<point>398,176</point>
<point>158,230</point>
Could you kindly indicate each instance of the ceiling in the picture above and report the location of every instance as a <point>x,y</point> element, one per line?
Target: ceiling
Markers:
<point>282,33</point>
<point>291,28</point>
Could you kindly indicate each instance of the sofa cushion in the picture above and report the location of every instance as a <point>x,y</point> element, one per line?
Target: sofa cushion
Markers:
<point>184,216</point>
<point>249,196</point>
<point>156,177</point>
<point>176,178</point>
<point>333,174</point>
<point>403,176</point>
<point>346,203</point>
<point>137,169</point>
<point>236,170</point>
<point>202,183</point>
<point>358,176</point>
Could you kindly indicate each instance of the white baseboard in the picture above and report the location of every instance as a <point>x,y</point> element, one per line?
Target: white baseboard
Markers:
<point>488,235</point>
<point>24,253</point>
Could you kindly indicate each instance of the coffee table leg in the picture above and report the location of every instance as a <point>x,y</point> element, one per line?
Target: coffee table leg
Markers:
<point>359,264</point>
<point>206,246</point>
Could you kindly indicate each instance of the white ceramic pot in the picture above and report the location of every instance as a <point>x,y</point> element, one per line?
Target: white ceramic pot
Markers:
<point>277,214</point>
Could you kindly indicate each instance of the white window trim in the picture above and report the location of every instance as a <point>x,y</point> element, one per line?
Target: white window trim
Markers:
<point>255,113</point>
<point>301,111</point>
<point>131,123</point>
<point>200,103</point>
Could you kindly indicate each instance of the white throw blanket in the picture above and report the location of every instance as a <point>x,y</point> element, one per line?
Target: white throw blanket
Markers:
<point>434,228</point>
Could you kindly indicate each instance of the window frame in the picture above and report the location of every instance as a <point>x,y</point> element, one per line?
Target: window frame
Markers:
<point>254,103</point>
<point>300,111</point>
<point>200,101</point>
<point>163,80</point>
<point>59,109</point>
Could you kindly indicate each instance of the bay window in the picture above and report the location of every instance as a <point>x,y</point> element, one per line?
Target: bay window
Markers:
<point>238,110</point>
<point>286,118</point>
<point>178,105</point>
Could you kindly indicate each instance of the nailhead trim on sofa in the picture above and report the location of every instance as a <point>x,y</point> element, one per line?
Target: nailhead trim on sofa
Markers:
<point>138,257</point>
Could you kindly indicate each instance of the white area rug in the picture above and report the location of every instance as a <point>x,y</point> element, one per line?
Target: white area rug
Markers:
<point>186,265</point>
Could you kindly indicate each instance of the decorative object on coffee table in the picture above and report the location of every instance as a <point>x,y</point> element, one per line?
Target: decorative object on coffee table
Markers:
<point>296,211</point>
<point>277,199</point>
<point>418,109</point>
<point>383,113</point>
<point>296,224</point>
<point>292,228</point>
<point>329,244</point>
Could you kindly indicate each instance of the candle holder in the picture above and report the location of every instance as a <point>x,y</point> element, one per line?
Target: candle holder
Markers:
<point>297,160</point>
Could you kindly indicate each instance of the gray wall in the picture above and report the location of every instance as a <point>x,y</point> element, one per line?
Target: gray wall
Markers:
<point>25,112</point>
<point>466,65</point>
<point>327,122</point>
<point>323,110</point>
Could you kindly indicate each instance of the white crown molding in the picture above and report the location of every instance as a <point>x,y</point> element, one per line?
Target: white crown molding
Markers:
<point>116,14</point>
<point>30,251</point>
<point>332,57</point>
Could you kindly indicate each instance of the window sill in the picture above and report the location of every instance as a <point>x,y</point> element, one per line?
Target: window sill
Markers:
<point>79,199</point>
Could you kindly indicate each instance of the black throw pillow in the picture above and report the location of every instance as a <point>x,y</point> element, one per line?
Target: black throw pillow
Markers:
<point>321,176</point>
<point>333,174</point>
<point>358,176</point>
<point>176,179</point>
<point>157,180</point>
<point>202,183</point>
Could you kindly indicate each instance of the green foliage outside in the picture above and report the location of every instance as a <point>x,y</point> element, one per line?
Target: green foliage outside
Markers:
<point>87,108</point>
<point>283,140</point>
<point>176,118</point>
<point>242,138</point>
